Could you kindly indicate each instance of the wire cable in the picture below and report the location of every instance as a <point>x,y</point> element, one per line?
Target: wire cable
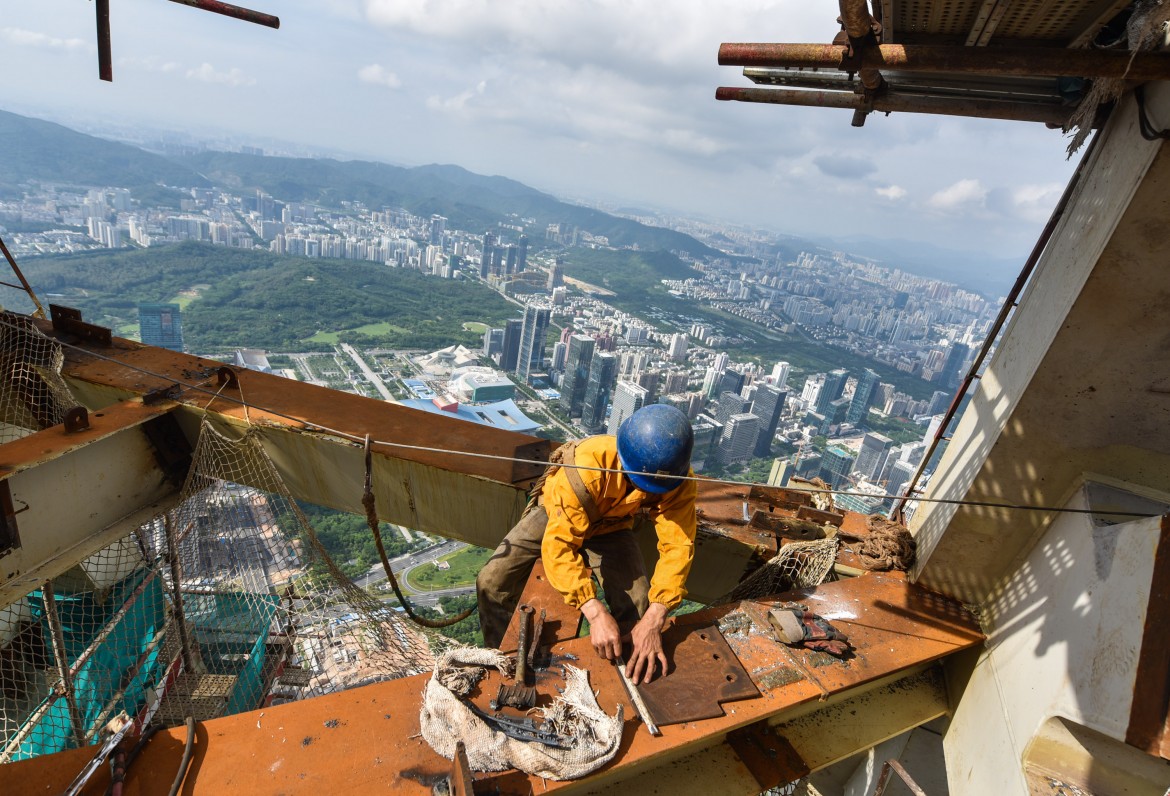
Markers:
<point>361,440</point>
<point>185,763</point>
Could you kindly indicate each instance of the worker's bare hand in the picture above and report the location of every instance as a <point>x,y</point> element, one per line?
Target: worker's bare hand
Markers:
<point>603,630</point>
<point>647,639</point>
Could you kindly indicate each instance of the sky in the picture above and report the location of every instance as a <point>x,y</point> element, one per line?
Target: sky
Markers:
<point>598,100</point>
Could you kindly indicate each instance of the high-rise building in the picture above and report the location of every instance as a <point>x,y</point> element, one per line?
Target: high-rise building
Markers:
<point>834,415</point>
<point>677,349</point>
<point>650,379</point>
<point>872,456</point>
<point>780,375</point>
<point>863,396</point>
<point>511,259</point>
<point>602,373</point>
<point>950,375</point>
<point>522,254</point>
<point>560,351</point>
<point>831,391</point>
<point>577,360</point>
<point>489,251</point>
<point>810,393</point>
<point>730,403</point>
<point>510,346</point>
<point>556,274</point>
<point>493,342</point>
<point>707,434</point>
<point>627,399</point>
<point>739,438</point>
<point>938,402</point>
<point>438,229</point>
<point>160,325</point>
<point>900,474</point>
<point>731,381</point>
<point>768,405</point>
<point>532,340</point>
<point>836,464</point>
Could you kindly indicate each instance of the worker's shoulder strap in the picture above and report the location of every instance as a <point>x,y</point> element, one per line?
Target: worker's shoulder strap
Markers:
<point>578,485</point>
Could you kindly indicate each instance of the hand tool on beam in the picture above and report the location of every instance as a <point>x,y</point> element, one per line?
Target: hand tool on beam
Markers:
<point>636,698</point>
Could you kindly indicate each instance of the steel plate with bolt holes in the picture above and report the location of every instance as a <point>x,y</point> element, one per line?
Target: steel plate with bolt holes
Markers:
<point>702,672</point>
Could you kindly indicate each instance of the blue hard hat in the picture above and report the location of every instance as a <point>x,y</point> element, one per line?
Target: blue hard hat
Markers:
<point>655,439</point>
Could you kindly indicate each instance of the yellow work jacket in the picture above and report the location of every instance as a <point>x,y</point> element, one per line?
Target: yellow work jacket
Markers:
<point>620,504</point>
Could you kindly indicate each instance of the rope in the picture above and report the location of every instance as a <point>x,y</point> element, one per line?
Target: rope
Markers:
<point>888,545</point>
<point>368,501</point>
<point>541,463</point>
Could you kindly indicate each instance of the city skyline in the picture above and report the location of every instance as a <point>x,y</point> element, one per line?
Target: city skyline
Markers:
<point>560,98</point>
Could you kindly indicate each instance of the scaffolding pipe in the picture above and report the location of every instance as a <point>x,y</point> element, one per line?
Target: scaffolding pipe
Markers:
<point>57,636</point>
<point>129,677</point>
<point>1018,62</point>
<point>862,30</point>
<point>112,623</point>
<point>235,12</point>
<point>40,311</point>
<point>177,586</point>
<point>901,103</point>
<point>105,54</point>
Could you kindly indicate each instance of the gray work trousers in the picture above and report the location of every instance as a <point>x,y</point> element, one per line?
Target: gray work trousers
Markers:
<point>614,558</point>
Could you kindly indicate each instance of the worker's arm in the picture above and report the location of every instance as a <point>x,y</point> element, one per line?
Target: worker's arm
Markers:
<point>565,567</point>
<point>675,526</point>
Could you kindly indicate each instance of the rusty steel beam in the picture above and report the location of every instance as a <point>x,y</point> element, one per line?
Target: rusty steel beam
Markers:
<point>900,103</point>
<point>235,12</point>
<point>105,55</point>
<point>1140,67</point>
<point>899,631</point>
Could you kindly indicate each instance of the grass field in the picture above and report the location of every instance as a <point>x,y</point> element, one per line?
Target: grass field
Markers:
<point>370,330</point>
<point>465,565</point>
<point>476,326</point>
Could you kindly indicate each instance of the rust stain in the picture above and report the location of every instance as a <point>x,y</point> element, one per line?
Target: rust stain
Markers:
<point>895,626</point>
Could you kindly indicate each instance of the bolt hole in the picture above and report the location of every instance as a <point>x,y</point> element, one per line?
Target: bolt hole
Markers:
<point>703,636</point>
<point>716,656</point>
<point>731,678</point>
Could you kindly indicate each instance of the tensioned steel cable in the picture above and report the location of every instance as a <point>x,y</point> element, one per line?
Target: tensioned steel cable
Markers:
<point>361,439</point>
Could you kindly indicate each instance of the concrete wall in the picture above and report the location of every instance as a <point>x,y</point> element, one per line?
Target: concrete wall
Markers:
<point>1078,382</point>
<point>1064,633</point>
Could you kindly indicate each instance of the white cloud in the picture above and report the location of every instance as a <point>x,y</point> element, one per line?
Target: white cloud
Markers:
<point>1035,202</point>
<point>891,192</point>
<point>962,195</point>
<point>378,75</point>
<point>150,64</point>
<point>209,74</point>
<point>29,38</point>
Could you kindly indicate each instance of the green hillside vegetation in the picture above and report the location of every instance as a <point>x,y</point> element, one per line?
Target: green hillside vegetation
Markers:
<point>39,150</point>
<point>262,300</point>
<point>636,278</point>
<point>470,201</point>
<point>348,540</point>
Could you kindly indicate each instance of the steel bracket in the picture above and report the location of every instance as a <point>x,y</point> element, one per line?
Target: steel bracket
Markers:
<point>68,320</point>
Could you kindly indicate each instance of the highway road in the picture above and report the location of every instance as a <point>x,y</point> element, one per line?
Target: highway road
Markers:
<point>373,377</point>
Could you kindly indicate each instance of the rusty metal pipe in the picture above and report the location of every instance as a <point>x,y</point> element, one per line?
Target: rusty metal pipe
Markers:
<point>229,10</point>
<point>900,103</point>
<point>524,615</point>
<point>105,50</point>
<point>861,28</point>
<point>1142,66</point>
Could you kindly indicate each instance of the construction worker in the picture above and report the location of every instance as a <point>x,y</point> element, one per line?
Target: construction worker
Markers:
<point>584,523</point>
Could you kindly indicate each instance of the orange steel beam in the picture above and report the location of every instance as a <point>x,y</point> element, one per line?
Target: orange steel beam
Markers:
<point>452,494</point>
<point>367,738</point>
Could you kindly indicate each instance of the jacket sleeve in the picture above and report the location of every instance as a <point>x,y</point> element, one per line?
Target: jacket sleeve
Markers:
<point>675,524</point>
<point>564,565</point>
